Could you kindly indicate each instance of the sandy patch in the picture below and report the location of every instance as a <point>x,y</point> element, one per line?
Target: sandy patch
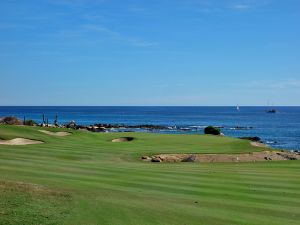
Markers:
<point>123,139</point>
<point>258,144</point>
<point>19,141</point>
<point>243,157</point>
<point>58,134</point>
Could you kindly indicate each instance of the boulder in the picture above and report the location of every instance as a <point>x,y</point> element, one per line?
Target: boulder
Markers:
<point>71,125</point>
<point>255,138</point>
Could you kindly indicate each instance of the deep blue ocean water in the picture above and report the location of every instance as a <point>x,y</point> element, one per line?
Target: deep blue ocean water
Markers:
<point>280,130</point>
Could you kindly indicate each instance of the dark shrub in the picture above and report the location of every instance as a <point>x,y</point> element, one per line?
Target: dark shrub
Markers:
<point>212,130</point>
<point>11,120</point>
<point>30,123</point>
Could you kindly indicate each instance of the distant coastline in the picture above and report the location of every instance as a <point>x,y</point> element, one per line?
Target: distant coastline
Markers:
<point>277,130</point>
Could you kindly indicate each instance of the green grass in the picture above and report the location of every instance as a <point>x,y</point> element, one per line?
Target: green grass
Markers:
<point>85,179</point>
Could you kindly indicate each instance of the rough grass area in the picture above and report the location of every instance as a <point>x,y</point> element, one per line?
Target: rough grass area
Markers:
<point>101,182</point>
<point>32,204</point>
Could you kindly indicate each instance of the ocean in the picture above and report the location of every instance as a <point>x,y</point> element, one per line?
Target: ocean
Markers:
<point>279,130</point>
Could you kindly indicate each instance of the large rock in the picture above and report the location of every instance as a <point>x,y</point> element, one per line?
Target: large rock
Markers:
<point>71,125</point>
<point>255,138</point>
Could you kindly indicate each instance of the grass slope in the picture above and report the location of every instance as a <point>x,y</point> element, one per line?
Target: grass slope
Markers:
<point>85,179</point>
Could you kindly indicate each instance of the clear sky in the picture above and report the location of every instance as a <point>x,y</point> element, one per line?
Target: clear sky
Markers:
<point>154,52</point>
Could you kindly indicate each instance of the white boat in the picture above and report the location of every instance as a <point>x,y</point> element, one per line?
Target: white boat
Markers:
<point>237,108</point>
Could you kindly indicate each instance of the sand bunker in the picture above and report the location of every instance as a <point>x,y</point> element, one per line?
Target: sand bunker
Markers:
<point>19,141</point>
<point>58,134</point>
<point>122,139</point>
<point>244,157</point>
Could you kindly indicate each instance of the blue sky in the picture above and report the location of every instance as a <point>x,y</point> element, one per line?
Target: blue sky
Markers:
<point>155,52</point>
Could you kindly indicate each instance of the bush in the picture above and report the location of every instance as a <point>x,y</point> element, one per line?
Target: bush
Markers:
<point>30,123</point>
<point>212,130</point>
<point>11,120</point>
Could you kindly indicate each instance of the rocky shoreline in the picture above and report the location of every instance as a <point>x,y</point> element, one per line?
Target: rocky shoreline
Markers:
<point>99,127</point>
<point>107,127</point>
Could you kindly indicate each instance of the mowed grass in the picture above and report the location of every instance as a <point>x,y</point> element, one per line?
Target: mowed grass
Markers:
<point>85,179</point>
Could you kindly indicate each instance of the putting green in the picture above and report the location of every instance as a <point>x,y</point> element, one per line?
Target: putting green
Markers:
<point>86,179</point>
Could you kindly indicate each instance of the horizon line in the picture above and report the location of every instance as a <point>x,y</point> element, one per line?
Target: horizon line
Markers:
<point>149,105</point>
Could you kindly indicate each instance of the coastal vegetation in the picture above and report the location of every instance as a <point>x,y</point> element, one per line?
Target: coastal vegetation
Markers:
<point>85,178</point>
<point>212,130</point>
<point>30,123</point>
<point>10,120</point>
